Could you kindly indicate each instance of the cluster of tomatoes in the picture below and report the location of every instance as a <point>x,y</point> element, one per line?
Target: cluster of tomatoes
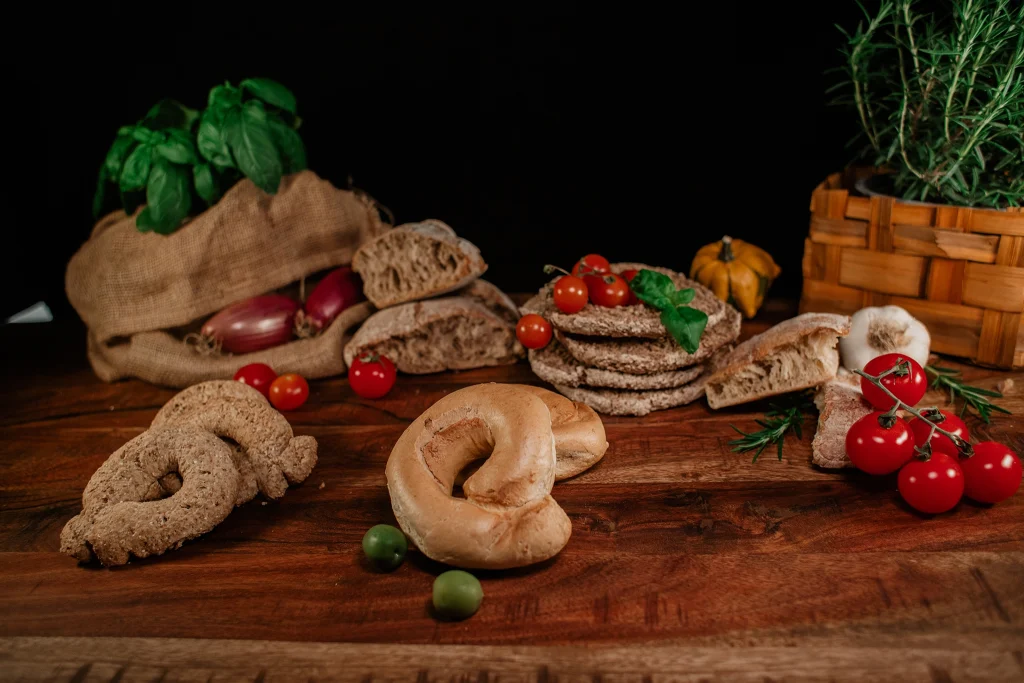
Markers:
<point>935,471</point>
<point>371,376</point>
<point>591,281</point>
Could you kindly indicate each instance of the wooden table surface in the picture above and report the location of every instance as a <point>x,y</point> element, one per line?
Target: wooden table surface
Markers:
<point>686,562</point>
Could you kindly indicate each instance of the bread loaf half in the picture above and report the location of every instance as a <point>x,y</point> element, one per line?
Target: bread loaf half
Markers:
<point>840,403</point>
<point>493,298</point>
<point>798,353</point>
<point>450,333</point>
<point>416,261</point>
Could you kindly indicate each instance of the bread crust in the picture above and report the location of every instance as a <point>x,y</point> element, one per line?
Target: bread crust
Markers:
<point>622,321</point>
<point>508,517</point>
<point>470,265</point>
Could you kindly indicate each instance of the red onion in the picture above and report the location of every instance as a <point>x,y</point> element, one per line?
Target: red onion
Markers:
<point>254,324</point>
<point>340,289</point>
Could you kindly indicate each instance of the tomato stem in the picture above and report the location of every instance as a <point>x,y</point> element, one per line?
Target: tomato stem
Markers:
<point>961,444</point>
<point>548,269</point>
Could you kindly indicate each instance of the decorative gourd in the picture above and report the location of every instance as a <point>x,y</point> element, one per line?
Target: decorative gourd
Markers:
<point>737,272</point>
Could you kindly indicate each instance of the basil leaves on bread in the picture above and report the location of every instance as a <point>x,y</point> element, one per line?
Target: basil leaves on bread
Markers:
<point>176,157</point>
<point>684,323</point>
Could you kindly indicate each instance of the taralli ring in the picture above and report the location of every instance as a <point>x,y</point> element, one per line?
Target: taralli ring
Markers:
<point>126,511</point>
<point>508,517</point>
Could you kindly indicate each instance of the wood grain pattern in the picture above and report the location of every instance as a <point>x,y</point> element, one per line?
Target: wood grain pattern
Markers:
<point>687,562</point>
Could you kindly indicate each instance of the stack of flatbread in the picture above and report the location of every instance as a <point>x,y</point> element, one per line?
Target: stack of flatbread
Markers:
<point>622,361</point>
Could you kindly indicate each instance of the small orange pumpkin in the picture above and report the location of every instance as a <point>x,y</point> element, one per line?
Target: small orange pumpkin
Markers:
<point>737,272</point>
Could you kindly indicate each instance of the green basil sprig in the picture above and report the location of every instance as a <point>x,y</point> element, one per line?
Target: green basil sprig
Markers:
<point>684,323</point>
<point>175,153</point>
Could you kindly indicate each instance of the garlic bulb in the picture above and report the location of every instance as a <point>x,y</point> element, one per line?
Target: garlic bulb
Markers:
<point>886,329</point>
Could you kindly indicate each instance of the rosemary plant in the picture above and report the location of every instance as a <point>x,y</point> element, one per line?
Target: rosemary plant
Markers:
<point>940,98</point>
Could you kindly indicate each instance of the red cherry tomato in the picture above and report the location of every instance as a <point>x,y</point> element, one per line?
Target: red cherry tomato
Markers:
<point>288,392</point>
<point>932,486</point>
<point>591,263</point>
<point>940,442</point>
<point>628,276</point>
<point>877,449</point>
<point>909,387</point>
<point>608,290</point>
<point>372,376</point>
<point>570,294</point>
<point>992,474</point>
<point>533,331</point>
<point>259,376</point>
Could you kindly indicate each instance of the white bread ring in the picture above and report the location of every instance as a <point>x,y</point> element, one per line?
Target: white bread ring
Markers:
<point>508,518</point>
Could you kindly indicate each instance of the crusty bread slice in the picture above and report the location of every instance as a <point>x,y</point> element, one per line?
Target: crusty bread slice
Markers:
<point>650,356</point>
<point>450,333</point>
<point>840,403</point>
<point>628,402</point>
<point>493,298</point>
<point>623,321</point>
<point>555,365</point>
<point>798,353</point>
<point>416,261</point>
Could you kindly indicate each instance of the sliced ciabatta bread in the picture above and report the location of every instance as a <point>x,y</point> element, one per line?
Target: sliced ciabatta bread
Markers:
<point>450,333</point>
<point>648,356</point>
<point>840,403</point>
<point>798,353</point>
<point>555,365</point>
<point>629,402</point>
<point>416,261</point>
<point>622,321</point>
<point>493,298</point>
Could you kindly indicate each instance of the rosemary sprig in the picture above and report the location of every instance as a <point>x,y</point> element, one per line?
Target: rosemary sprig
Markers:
<point>949,379</point>
<point>783,417</point>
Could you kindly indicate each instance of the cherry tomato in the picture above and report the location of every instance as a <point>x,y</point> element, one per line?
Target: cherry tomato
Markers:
<point>607,290</point>
<point>908,388</point>
<point>570,294</point>
<point>372,376</point>
<point>940,442</point>
<point>590,264</point>
<point>533,331</point>
<point>288,392</point>
<point>992,474</point>
<point>932,486</point>
<point>628,276</point>
<point>877,449</point>
<point>259,376</point>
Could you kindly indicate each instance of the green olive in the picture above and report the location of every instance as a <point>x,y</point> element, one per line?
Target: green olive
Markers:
<point>457,594</point>
<point>385,546</point>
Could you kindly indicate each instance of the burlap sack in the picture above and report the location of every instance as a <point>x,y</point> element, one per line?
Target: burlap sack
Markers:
<point>130,287</point>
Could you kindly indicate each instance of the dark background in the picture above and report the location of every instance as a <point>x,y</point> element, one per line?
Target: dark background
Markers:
<point>540,135</point>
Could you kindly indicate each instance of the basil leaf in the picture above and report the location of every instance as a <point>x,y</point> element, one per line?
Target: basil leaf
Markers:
<point>206,184</point>
<point>248,135</point>
<point>289,145</point>
<point>211,142</point>
<point>168,198</point>
<point>686,325</point>
<point>683,296</point>
<point>136,168</point>
<point>170,114</point>
<point>100,195</point>
<point>653,288</point>
<point>145,221</point>
<point>178,147</point>
<point>118,151</point>
<point>271,92</point>
<point>143,134</point>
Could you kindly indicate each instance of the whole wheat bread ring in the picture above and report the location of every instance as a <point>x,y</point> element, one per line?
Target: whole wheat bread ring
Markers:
<point>508,517</point>
<point>125,509</point>
<point>270,456</point>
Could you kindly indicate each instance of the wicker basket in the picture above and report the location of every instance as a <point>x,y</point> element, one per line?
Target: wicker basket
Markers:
<point>958,270</point>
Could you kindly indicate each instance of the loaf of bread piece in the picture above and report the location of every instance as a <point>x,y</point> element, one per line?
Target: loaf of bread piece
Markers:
<point>416,261</point>
<point>623,321</point>
<point>554,364</point>
<point>493,298</point>
<point>798,353</point>
<point>449,333</point>
<point>840,403</point>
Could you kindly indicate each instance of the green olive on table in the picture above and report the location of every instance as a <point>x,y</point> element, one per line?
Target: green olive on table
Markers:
<point>457,594</point>
<point>385,546</point>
